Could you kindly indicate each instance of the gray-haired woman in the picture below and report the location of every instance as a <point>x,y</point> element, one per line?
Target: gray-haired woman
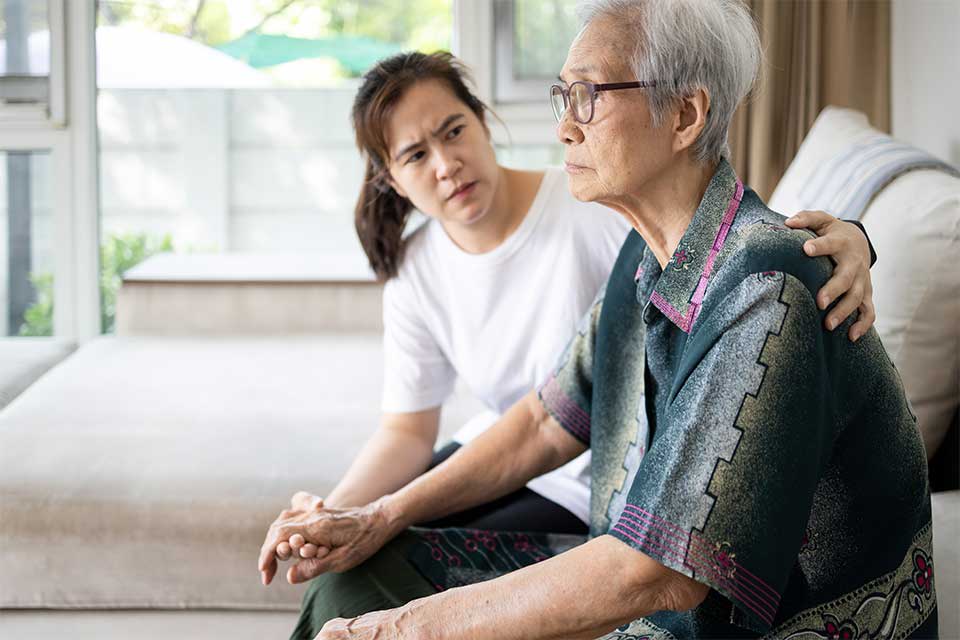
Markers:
<point>744,459</point>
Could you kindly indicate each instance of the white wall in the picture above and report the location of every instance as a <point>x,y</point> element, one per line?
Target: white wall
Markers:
<point>260,170</point>
<point>926,75</point>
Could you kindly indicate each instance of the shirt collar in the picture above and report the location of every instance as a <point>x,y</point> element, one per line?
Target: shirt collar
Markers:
<point>681,287</point>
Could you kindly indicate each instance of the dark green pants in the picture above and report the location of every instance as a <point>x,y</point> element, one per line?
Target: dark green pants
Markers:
<point>385,581</point>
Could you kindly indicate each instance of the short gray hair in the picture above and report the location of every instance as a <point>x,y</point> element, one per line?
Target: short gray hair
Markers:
<point>686,45</point>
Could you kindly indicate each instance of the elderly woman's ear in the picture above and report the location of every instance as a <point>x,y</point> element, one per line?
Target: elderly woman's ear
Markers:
<point>690,119</point>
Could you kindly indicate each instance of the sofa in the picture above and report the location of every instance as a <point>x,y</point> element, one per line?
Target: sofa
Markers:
<point>138,474</point>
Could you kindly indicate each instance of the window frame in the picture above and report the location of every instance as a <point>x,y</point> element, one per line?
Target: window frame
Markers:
<point>528,120</point>
<point>51,110</point>
<point>507,89</point>
<point>66,128</point>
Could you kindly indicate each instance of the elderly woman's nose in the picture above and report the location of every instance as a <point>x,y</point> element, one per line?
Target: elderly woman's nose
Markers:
<point>568,130</point>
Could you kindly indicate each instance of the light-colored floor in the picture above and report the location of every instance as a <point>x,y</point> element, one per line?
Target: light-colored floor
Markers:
<point>146,625</point>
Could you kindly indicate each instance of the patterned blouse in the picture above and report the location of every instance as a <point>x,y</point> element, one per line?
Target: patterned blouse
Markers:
<point>736,441</point>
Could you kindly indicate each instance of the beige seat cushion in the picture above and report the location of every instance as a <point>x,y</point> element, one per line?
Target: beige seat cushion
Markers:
<point>914,224</point>
<point>946,561</point>
<point>24,360</point>
<point>143,472</point>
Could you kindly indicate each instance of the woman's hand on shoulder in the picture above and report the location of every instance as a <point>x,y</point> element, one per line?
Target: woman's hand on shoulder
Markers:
<point>850,286</point>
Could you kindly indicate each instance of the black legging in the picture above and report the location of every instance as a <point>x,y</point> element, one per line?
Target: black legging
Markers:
<point>522,510</point>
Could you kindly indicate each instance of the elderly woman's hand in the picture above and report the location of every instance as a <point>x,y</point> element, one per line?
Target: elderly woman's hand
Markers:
<point>847,246</point>
<point>301,501</point>
<point>325,539</point>
<point>382,625</point>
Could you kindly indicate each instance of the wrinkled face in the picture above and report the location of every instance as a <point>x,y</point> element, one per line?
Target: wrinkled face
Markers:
<point>618,152</point>
<point>441,158</point>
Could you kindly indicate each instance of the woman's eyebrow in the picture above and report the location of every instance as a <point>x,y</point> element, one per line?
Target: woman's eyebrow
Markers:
<point>436,132</point>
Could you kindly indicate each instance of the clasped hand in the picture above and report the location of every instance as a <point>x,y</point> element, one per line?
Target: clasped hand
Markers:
<point>323,539</point>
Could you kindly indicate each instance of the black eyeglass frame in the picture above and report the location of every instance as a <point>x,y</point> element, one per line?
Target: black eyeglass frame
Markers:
<point>592,89</point>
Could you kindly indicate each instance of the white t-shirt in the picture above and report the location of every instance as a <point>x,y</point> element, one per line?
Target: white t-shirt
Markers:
<point>498,320</point>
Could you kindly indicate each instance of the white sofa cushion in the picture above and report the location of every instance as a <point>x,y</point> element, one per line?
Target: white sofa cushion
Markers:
<point>914,224</point>
<point>946,561</point>
<point>24,360</point>
<point>143,472</point>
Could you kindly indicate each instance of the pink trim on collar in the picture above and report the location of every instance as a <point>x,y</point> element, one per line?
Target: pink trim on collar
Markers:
<point>685,320</point>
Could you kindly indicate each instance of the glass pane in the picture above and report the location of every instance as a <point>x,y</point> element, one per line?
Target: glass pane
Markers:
<point>24,51</point>
<point>542,33</point>
<point>26,244</point>
<point>530,156</point>
<point>228,130</point>
<point>24,38</point>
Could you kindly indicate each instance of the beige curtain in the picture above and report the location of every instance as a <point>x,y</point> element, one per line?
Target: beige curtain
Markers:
<point>817,53</point>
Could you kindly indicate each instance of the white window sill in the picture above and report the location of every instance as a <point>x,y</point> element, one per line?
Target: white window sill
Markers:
<point>235,268</point>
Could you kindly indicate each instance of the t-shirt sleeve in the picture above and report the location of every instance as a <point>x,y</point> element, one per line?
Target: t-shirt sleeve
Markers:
<point>567,391</point>
<point>416,373</point>
<point>725,489</point>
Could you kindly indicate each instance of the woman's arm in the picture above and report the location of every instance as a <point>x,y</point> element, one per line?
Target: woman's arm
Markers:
<point>583,593</point>
<point>398,452</point>
<point>525,443</point>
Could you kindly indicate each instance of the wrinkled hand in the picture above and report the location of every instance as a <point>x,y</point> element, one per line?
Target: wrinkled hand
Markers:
<point>301,501</point>
<point>846,245</point>
<point>379,625</point>
<point>324,539</point>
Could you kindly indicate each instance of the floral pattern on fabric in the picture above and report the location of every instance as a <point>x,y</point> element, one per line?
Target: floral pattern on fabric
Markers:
<point>457,557</point>
<point>892,606</point>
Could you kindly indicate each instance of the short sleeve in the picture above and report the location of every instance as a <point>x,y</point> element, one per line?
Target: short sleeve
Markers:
<point>566,392</point>
<point>416,373</point>
<point>725,489</point>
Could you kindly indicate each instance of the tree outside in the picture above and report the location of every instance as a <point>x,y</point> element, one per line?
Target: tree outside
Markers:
<point>424,25</point>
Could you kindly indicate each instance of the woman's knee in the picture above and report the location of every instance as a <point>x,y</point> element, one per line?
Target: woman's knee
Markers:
<point>384,581</point>
<point>329,596</point>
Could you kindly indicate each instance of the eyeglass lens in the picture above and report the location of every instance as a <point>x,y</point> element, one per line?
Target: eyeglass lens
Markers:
<point>557,101</point>
<point>579,100</point>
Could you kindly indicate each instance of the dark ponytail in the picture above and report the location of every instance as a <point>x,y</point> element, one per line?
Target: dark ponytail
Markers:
<point>380,218</point>
<point>381,213</point>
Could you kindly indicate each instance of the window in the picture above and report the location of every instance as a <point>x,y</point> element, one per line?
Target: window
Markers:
<point>26,244</point>
<point>35,149</point>
<point>224,126</point>
<point>260,159</point>
<point>31,70</point>
<point>516,49</point>
<point>531,38</point>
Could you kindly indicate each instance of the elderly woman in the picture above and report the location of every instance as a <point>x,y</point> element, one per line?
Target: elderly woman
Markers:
<point>744,459</point>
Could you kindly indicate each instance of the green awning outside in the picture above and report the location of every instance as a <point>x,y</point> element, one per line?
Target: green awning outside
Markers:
<point>355,53</point>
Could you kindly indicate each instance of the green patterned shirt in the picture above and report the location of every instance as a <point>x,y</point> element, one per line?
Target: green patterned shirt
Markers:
<point>736,441</point>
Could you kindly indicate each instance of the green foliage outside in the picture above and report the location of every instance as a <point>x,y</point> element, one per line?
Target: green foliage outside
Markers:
<point>424,24</point>
<point>38,317</point>
<point>117,254</point>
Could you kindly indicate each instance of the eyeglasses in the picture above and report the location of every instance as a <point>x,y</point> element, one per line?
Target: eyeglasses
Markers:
<point>581,95</point>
